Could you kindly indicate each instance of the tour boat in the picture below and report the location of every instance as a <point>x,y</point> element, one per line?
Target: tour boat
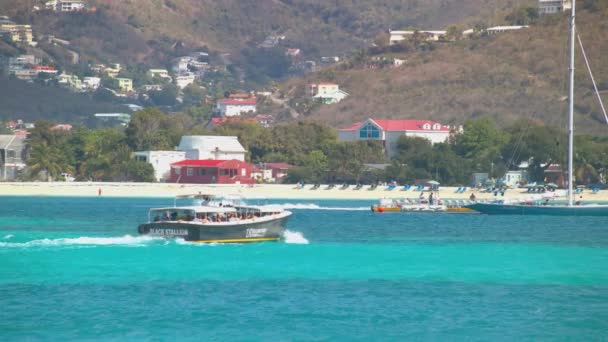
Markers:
<point>570,208</point>
<point>217,220</point>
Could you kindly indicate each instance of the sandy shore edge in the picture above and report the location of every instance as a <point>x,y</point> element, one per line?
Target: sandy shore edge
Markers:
<point>270,191</point>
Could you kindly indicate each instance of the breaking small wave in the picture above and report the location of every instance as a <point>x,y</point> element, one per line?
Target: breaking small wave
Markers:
<point>126,240</point>
<point>312,206</point>
<point>294,237</point>
<point>6,237</point>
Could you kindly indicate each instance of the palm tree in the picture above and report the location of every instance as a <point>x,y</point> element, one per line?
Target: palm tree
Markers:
<point>46,159</point>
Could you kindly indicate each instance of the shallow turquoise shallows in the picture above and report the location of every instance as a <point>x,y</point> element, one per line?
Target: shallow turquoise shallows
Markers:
<point>75,268</point>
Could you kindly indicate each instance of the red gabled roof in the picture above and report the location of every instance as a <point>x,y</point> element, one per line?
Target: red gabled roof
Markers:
<point>224,119</point>
<point>402,125</point>
<point>251,101</point>
<point>205,162</point>
<point>278,165</point>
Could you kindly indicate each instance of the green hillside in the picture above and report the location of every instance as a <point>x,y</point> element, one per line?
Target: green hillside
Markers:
<point>31,102</point>
<point>507,77</point>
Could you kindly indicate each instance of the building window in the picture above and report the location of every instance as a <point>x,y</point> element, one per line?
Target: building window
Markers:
<point>189,171</point>
<point>243,172</point>
<point>202,172</point>
<point>369,131</point>
<point>178,171</point>
<point>224,172</point>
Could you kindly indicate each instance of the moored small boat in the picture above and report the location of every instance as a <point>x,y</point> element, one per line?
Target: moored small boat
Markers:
<point>406,205</point>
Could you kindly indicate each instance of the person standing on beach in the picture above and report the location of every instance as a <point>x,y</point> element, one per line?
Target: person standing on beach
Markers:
<point>99,192</point>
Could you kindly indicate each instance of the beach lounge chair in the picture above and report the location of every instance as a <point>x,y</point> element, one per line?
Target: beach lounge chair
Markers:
<point>391,187</point>
<point>595,190</point>
<point>458,190</point>
<point>372,187</point>
<point>578,190</point>
<point>330,186</point>
<point>464,189</point>
<point>316,186</point>
<point>420,188</point>
<point>344,186</point>
<point>358,187</point>
<point>406,187</point>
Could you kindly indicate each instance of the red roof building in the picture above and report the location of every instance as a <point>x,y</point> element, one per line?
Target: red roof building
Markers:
<point>214,122</point>
<point>210,171</point>
<point>389,131</point>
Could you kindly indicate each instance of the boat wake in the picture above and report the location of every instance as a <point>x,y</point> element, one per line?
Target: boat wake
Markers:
<point>127,240</point>
<point>312,206</point>
<point>294,238</point>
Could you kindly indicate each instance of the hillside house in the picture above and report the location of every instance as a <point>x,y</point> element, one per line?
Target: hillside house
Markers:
<point>389,131</point>
<point>161,161</point>
<point>397,36</point>
<point>66,5</point>
<point>185,79</point>
<point>553,6</point>
<point>18,33</point>
<point>162,73</point>
<point>236,105</point>
<point>501,29</point>
<point>70,81</point>
<point>12,147</point>
<point>327,93</point>
<point>211,172</point>
<point>91,83</point>
<point>122,118</point>
<point>125,84</point>
<point>113,70</point>
<point>212,147</point>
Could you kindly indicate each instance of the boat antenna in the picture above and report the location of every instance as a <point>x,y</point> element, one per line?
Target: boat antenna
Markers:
<point>571,104</point>
<point>597,93</point>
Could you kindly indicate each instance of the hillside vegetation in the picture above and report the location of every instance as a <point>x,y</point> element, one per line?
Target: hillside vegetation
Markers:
<point>507,77</point>
<point>31,101</point>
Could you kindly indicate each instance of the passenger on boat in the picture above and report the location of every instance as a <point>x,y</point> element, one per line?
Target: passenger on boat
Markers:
<point>472,197</point>
<point>431,198</point>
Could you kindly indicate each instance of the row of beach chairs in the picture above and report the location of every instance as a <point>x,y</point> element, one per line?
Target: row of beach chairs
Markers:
<point>360,187</point>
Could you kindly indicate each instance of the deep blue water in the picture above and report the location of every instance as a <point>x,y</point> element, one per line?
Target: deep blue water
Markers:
<point>74,269</point>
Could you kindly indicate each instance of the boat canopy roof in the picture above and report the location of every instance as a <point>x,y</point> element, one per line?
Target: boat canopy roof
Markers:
<point>198,209</point>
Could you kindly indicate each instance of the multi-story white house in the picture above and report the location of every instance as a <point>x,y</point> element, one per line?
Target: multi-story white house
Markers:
<point>327,93</point>
<point>553,6</point>
<point>161,161</point>
<point>389,131</point>
<point>212,147</point>
<point>70,5</point>
<point>235,105</point>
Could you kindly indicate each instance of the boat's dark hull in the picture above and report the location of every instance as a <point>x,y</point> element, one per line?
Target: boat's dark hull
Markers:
<point>549,210</point>
<point>223,233</point>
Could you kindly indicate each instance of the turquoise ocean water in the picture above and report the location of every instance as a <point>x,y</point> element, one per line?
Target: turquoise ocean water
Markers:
<point>74,269</point>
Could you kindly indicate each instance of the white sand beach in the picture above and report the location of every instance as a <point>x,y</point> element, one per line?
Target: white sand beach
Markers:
<point>270,191</point>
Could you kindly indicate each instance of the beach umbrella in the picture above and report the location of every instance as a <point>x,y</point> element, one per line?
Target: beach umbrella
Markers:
<point>432,182</point>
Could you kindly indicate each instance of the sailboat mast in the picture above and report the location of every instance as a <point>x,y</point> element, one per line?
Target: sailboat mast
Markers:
<point>571,106</point>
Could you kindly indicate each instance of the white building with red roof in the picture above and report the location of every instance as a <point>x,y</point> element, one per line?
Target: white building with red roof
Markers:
<point>236,105</point>
<point>389,131</point>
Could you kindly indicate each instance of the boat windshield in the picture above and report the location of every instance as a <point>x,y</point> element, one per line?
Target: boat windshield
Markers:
<point>176,214</point>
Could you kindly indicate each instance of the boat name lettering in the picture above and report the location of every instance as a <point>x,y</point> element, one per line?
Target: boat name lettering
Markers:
<point>252,233</point>
<point>168,231</point>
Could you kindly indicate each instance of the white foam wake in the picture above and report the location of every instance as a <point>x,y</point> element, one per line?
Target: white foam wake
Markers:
<point>6,237</point>
<point>126,240</point>
<point>294,237</point>
<point>312,206</point>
